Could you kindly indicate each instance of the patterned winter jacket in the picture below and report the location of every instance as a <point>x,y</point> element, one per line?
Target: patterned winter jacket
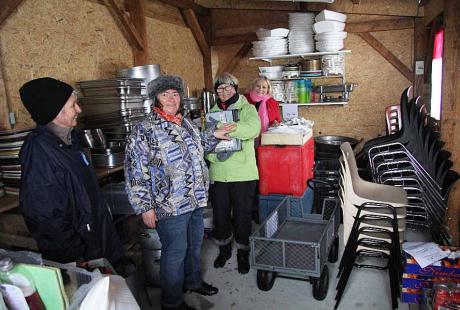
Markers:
<point>165,168</point>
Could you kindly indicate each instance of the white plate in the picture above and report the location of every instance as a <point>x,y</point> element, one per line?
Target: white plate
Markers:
<point>330,42</point>
<point>328,26</point>
<point>272,38</point>
<point>328,49</point>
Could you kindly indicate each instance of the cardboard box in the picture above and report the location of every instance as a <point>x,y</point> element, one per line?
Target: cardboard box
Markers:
<point>270,138</point>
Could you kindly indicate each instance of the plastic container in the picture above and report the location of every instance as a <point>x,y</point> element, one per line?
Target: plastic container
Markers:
<point>268,203</point>
<point>285,169</point>
<point>9,275</point>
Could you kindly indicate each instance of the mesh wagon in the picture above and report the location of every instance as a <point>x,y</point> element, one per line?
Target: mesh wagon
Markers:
<point>296,245</point>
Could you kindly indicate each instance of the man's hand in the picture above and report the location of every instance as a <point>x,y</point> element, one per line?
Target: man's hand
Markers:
<point>150,218</point>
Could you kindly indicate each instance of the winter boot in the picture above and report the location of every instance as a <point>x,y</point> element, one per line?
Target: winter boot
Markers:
<point>243,261</point>
<point>225,252</point>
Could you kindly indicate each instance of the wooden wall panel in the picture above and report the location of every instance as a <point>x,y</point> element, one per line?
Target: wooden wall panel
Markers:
<point>79,40</point>
<point>176,51</point>
<point>68,40</point>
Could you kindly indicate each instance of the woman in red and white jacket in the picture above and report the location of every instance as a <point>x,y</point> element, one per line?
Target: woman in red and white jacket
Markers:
<point>268,108</point>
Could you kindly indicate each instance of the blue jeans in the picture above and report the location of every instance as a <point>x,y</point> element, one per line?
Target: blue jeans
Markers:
<point>180,267</point>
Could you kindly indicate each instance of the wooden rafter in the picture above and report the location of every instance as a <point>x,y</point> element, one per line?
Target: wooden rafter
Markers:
<point>188,4</point>
<point>7,7</point>
<point>242,52</point>
<point>125,25</point>
<point>137,17</point>
<point>380,25</point>
<point>356,1</point>
<point>192,21</point>
<point>387,54</point>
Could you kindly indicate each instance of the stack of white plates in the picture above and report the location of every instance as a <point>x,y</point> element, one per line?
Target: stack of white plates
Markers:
<point>271,42</point>
<point>329,28</point>
<point>301,33</point>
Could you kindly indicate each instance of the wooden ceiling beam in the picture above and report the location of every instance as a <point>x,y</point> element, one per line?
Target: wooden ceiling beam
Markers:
<point>380,25</point>
<point>125,24</point>
<point>242,52</point>
<point>355,1</point>
<point>388,55</point>
<point>236,39</point>
<point>188,4</point>
<point>7,7</point>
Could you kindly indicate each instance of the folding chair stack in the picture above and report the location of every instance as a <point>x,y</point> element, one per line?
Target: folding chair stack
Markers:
<point>374,223</point>
<point>415,160</point>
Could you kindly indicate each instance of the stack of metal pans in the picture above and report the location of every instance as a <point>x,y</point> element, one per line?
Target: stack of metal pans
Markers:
<point>114,105</point>
<point>10,168</point>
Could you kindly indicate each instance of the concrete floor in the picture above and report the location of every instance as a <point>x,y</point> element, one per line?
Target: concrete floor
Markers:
<point>366,289</point>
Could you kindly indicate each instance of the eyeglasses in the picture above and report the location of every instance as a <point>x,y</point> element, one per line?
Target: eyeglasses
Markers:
<point>221,89</point>
<point>170,94</point>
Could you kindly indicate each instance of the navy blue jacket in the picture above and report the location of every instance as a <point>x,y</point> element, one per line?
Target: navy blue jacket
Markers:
<point>61,201</point>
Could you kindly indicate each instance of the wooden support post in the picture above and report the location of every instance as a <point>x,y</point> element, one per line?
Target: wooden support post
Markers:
<point>188,4</point>
<point>4,109</point>
<point>419,54</point>
<point>7,7</point>
<point>387,54</point>
<point>450,112</point>
<point>137,17</point>
<point>192,21</point>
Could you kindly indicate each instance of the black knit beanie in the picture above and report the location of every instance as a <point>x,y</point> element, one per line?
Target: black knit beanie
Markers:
<point>44,98</point>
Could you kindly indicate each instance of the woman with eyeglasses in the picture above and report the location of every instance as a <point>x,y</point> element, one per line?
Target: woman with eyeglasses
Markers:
<point>234,178</point>
<point>167,182</point>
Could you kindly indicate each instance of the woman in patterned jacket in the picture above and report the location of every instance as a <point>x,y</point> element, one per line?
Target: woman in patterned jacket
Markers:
<point>167,182</point>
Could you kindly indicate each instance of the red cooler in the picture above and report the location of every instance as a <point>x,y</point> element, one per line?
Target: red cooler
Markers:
<point>285,169</point>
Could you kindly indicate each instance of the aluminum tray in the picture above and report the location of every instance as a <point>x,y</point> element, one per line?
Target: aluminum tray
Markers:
<point>112,91</point>
<point>119,82</point>
<point>111,100</point>
<point>98,109</point>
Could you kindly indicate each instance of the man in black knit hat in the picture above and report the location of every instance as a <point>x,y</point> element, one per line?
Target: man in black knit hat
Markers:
<point>60,198</point>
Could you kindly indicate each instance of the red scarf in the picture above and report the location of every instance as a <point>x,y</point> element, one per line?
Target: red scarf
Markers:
<point>176,119</point>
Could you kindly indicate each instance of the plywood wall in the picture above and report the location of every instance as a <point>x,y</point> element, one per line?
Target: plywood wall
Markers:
<point>379,83</point>
<point>75,40</point>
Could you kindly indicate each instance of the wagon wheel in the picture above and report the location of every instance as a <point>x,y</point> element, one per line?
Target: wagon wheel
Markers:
<point>321,284</point>
<point>265,280</point>
<point>334,251</point>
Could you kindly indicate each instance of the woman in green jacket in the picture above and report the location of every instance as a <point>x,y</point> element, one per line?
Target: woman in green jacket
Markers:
<point>234,178</point>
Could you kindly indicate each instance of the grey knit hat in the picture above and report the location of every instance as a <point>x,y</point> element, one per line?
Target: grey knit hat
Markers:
<point>163,83</point>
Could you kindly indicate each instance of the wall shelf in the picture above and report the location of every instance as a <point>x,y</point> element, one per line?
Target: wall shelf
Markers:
<point>304,55</point>
<point>316,103</point>
<point>309,78</point>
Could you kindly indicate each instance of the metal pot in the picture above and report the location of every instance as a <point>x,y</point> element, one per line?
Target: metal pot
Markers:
<point>108,157</point>
<point>331,144</point>
<point>147,72</point>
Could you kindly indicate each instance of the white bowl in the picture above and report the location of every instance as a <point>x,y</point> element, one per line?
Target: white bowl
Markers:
<point>277,32</point>
<point>339,35</point>
<point>328,26</point>
<point>330,15</point>
<point>271,69</point>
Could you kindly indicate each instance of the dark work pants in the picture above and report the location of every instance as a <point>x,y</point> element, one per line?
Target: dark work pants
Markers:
<point>232,206</point>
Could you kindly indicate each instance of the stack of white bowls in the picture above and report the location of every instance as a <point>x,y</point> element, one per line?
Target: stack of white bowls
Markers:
<point>271,73</point>
<point>271,42</point>
<point>329,28</point>
<point>301,33</point>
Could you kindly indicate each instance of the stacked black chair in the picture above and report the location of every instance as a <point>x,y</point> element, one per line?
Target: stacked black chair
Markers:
<point>415,160</point>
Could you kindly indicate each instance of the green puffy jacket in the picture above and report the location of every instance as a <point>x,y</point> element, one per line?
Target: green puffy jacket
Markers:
<point>241,165</point>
